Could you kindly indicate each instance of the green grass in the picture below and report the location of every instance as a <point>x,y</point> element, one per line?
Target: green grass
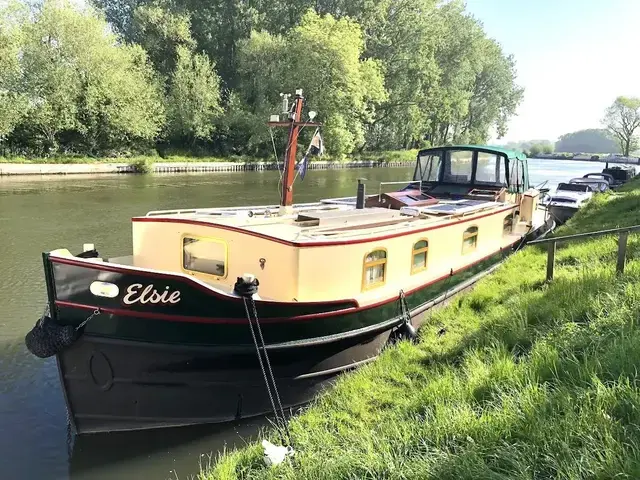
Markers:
<point>402,155</point>
<point>531,380</point>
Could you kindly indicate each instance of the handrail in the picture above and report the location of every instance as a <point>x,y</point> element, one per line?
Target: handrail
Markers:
<point>623,236</point>
<point>578,236</point>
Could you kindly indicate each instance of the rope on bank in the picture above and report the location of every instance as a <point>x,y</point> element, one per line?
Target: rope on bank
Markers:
<point>246,287</point>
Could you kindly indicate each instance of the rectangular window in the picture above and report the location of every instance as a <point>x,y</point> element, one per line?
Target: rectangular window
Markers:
<point>428,168</point>
<point>459,167</point>
<point>490,170</point>
<point>204,255</point>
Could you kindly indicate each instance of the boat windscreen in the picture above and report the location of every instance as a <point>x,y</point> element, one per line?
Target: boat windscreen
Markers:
<point>573,187</point>
<point>428,168</point>
<point>458,167</point>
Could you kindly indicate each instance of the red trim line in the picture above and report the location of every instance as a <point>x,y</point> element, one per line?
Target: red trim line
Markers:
<point>439,279</point>
<point>314,244</point>
<point>133,271</point>
<point>193,319</point>
<point>311,316</point>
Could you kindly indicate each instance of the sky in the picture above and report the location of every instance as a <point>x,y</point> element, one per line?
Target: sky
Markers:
<point>573,57</point>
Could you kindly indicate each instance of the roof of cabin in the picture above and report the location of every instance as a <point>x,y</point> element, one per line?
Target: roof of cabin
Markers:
<point>485,148</point>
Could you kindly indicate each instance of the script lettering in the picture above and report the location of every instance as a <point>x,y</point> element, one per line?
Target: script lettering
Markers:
<point>137,294</point>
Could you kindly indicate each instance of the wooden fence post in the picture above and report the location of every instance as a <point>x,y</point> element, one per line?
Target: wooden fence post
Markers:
<point>622,251</point>
<point>551,257</point>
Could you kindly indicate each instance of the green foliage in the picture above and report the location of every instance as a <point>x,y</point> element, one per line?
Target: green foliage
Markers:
<point>81,90</point>
<point>194,96</point>
<point>382,74</point>
<point>13,102</point>
<point>323,57</point>
<point>529,380</point>
<point>142,164</point>
<point>623,121</point>
<point>161,33</point>
<point>538,148</point>
<point>588,141</point>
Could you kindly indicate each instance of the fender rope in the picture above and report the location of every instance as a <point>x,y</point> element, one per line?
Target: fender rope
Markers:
<point>246,290</point>
<point>47,338</point>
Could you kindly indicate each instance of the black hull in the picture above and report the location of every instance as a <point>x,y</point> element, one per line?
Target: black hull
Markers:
<point>562,213</point>
<point>162,366</point>
<point>118,385</point>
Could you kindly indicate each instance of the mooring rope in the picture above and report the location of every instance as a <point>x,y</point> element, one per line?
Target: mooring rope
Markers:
<point>247,290</point>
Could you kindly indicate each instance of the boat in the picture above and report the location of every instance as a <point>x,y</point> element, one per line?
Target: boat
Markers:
<point>225,313</point>
<point>620,173</point>
<point>568,199</point>
<point>598,185</point>
<point>601,176</point>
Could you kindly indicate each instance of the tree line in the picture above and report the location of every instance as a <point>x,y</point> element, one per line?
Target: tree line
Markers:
<point>121,76</point>
<point>621,135</point>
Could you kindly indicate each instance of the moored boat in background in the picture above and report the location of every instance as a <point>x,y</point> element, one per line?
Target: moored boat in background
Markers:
<point>567,200</point>
<point>177,333</point>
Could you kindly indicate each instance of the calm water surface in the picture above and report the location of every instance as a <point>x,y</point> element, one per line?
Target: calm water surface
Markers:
<point>43,214</point>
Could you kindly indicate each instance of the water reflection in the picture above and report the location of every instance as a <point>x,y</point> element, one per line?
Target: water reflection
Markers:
<point>164,453</point>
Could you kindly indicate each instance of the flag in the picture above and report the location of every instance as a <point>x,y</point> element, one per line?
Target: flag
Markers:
<point>316,147</point>
<point>302,167</point>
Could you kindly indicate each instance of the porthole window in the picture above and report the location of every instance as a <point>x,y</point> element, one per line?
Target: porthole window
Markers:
<point>470,240</point>
<point>419,256</point>
<point>204,255</point>
<point>374,269</point>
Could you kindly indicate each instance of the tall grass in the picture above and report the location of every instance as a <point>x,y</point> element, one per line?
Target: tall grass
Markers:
<point>529,380</point>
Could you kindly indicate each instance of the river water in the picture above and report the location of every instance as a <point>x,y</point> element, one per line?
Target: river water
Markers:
<point>39,214</point>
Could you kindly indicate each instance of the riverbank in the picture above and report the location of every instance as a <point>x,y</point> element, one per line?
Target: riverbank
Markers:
<point>516,379</point>
<point>172,164</point>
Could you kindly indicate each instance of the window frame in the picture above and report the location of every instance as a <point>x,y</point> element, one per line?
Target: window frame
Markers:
<point>415,252</point>
<point>466,235</point>
<point>365,265</point>
<point>205,239</point>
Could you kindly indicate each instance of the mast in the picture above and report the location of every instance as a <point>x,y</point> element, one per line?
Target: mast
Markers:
<point>294,122</point>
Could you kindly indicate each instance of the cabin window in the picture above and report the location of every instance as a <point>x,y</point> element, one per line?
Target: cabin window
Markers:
<point>459,167</point>
<point>428,168</point>
<point>419,256</point>
<point>470,240</point>
<point>375,269</point>
<point>516,175</point>
<point>490,169</point>
<point>204,255</point>
<point>507,226</point>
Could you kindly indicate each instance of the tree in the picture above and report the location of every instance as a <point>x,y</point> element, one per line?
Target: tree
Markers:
<point>623,119</point>
<point>161,33</point>
<point>547,148</point>
<point>13,102</point>
<point>84,91</point>
<point>194,96</point>
<point>591,141</point>
<point>323,56</point>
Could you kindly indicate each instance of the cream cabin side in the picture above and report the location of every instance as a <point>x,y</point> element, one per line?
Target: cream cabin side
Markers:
<point>215,255</point>
<point>377,269</point>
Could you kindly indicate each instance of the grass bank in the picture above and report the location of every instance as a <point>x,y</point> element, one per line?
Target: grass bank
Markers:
<point>387,156</point>
<point>529,380</point>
